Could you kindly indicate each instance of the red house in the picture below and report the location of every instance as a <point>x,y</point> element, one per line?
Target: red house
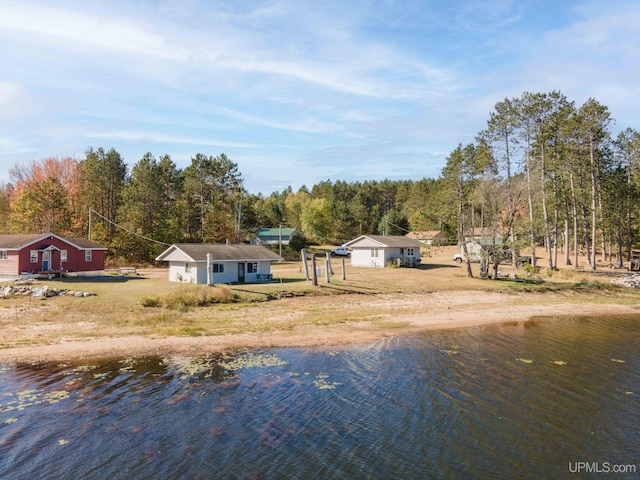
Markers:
<point>48,252</point>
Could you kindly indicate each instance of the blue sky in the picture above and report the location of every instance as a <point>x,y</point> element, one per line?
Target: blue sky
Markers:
<point>296,92</point>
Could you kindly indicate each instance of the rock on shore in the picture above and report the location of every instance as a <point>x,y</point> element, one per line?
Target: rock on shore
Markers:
<point>39,291</point>
<point>632,280</point>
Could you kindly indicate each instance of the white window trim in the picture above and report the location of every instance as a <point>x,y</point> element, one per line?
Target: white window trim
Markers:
<point>63,255</point>
<point>88,255</point>
<point>33,256</point>
<point>4,255</point>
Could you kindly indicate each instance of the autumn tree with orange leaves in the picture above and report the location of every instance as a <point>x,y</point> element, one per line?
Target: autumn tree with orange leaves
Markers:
<point>45,197</point>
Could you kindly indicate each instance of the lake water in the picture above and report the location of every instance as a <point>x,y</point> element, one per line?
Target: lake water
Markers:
<point>547,399</point>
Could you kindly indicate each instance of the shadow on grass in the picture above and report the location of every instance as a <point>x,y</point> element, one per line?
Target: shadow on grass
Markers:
<point>435,266</point>
<point>96,279</point>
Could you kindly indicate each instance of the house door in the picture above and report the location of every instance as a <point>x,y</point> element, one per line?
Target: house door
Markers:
<point>241,272</point>
<point>46,260</point>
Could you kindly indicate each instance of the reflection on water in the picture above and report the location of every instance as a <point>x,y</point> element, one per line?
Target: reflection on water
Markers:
<point>511,401</point>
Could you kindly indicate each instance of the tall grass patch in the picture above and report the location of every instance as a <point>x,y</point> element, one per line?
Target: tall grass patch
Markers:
<point>190,296</point>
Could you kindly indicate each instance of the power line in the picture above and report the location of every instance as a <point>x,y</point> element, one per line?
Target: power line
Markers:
<point>91,210</point>
<point>398,226</point>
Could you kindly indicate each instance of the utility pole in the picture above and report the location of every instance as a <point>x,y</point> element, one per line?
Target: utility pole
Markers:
<point>90,210</point>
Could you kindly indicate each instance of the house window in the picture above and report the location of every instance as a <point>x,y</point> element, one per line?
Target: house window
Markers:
<point>410,252</point>
<point>63,255</point>
<point>252,267</point>
<point>88,255</point>
<point>3,254</point>
<point>374,252</point>
<point>33,257</point>
<point>218,268</point>
<point>187,268</point>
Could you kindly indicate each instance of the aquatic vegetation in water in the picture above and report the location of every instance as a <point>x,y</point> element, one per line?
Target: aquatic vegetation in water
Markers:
<point>9,421</point>
<point>189,367</point>
<point>29,398</point>
<point>559,362</point>
<point>322,383</point>
<point>128,365</point>
<point>62,441</point>
<point>617,360</point>
<point>524,360</point>
<point>252,361</point>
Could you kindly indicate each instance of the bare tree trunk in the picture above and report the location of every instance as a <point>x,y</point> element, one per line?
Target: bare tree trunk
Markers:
<point>532,233</point>
<point>594,225</point>
<point>574,202</point>
<point>461,239</point>
<point>566,242</point>
<point>604,232</point>
<point>556,220</point>
<point>629,226</point>
<point>545,210</point>
<point>585,223</point>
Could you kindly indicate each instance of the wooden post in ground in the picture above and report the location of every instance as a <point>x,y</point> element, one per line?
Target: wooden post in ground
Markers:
<point>315,272</point>
<point>210,270</point>
<point>305,265</point>
<point>327,267</point>
<point>344,271</point>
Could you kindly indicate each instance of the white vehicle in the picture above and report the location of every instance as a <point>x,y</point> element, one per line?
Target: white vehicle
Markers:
<point>474,251</point>
<point>341,251</point>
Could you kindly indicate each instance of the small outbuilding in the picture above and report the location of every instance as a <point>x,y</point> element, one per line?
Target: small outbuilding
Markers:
<point>379,250</point>
<point>273,236</point>
<point>210,263</point>
<point>48,253</point>
<point>430,237</point>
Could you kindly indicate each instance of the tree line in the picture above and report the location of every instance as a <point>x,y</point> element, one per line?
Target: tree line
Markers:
<point>550,176</point>
<point>543,174</point>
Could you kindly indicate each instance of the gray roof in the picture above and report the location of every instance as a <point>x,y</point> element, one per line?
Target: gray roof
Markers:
<point>20,241</point>
<point>242,252</point>
<point>388,240</point>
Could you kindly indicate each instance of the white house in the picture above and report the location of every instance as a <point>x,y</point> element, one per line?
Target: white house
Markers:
<point>378,250</point>
<point>228,263</point>
<point>273,236</point>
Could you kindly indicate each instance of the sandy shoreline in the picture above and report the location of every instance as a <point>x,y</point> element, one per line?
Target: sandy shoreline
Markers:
<point>445,315</point>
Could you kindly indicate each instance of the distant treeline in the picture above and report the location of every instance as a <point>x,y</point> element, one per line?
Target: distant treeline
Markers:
<point>543,174</point>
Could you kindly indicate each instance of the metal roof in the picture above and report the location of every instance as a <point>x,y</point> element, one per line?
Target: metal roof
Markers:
<point>19,242</point>
<point>387,241</point>
<point>198,252</point>
<point>274,232</point>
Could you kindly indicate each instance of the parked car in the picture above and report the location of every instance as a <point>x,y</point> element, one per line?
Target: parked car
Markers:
<point>474,257</point>
<point>341,252</point>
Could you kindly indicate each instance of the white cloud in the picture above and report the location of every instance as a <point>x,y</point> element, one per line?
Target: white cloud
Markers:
<point>167,139</point>
<point>11,146</point>
<point>77,30</point>
<point>15,103</point>
<point>300,125</point>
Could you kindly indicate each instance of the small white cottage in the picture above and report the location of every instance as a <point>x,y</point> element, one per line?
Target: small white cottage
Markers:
<point>379,250</point>
<point>208,264</point>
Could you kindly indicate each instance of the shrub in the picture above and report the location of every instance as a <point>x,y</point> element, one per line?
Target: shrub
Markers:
<point>530,270</point>
<point>191,296</point>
